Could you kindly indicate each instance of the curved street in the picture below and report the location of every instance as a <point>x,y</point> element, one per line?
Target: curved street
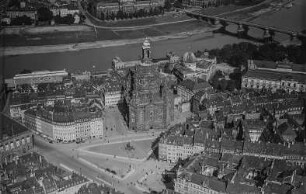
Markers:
<point>73,157</point>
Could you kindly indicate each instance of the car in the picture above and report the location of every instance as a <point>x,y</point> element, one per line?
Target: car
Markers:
<point>50,141</point>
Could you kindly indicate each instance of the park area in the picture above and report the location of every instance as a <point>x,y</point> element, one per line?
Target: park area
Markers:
<point>133,149</point>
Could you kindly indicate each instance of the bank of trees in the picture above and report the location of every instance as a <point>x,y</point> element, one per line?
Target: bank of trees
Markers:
<point>69,19</point>
<point>237,55</point>
<point>23,20</point>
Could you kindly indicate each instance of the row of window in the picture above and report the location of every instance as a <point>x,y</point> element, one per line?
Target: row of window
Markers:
<point>16,144</point>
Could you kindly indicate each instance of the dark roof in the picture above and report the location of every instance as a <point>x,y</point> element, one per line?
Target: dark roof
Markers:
<point>204,64</point>
<point>282,64</point>
<point>211,182</point>
<point>276,188</point>
<point>237,188</point>
<point>10,127</point>
<point>275,75</point>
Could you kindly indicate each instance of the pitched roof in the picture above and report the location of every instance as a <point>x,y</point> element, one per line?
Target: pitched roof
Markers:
<point>275,75</point>
<point>211,182</point>
<point>195,86</point>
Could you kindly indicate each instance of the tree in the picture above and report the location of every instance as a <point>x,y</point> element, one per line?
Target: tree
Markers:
<point>222,85</point>
<point>102,16</point>
<point>238,59</point>
<point>168,5</point>
<point>120,14</point>
<point>44,14</point>
<point>23,20</point>
<point>69,19</point>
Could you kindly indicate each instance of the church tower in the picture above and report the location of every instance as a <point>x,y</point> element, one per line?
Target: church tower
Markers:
<point>146,51</point>
<point>149,97</point>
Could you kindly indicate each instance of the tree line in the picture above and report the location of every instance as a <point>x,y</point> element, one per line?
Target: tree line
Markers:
<point>136,14</point>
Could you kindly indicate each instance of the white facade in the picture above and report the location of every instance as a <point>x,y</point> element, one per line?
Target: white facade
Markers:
<point>188,187</point>
<point>256,83</point>
<point>112,98</point>
<point>273,76</point>
<point>66,131</point>
<point>171,152</point>
<point>40,77</point>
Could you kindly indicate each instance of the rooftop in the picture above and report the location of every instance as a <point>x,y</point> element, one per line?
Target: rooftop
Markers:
<point>275,75</point>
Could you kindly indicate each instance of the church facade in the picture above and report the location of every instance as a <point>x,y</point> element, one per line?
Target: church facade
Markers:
<point>148,95</point>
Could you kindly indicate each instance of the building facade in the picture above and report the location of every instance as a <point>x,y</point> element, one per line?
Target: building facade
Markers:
<point>148,95</point>
<point>14,13</point>
<point>279,75</point>
<point>113,93</point>
<point>16,140</point>
<point>192,67</point>
<point>65,126</point>
<point>127,6</point>
<point>40,77</point>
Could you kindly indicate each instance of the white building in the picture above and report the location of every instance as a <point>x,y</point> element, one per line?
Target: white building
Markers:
<point>40,77</point>
<point>113,93</point>
<point>271,75</point>
<point>65,126</point>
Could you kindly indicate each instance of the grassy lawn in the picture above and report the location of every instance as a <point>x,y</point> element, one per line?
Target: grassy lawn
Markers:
<point>48,38</point>
<point>162,30</point>
<point>245,14</point>
<point>141,149</point>
<point>58,28</point>
<point>182,27</point>
<point>120,168</point>
<point>43,36</point>
<point>131,34</point>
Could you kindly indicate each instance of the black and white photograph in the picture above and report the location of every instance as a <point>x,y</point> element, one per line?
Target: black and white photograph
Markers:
<point>153,97</point>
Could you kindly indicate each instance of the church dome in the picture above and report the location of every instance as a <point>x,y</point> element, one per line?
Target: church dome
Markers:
<point>189,57</point>
<point>146,43</point>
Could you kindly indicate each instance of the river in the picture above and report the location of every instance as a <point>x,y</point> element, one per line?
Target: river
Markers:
<point>293,18</point>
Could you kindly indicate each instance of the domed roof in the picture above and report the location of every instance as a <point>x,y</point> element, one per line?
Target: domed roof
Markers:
<point>189,57</point>
<point>146,43</point>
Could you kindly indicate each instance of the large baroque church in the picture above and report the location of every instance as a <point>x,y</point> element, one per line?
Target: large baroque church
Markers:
<point>148,95</point>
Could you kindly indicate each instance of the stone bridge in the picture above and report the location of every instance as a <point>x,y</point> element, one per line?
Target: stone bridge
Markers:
<point>243,27</point>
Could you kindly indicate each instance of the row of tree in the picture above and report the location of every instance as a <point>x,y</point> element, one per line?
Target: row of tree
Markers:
<point>136,14</point>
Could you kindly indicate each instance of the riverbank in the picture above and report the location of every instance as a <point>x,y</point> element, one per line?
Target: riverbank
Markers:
<point>24,50</point>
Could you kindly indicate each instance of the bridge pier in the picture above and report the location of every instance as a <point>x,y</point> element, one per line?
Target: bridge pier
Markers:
<point>240,30</point>
<point>294,39</point>
<point>216,22</point>
<point>267,36</point>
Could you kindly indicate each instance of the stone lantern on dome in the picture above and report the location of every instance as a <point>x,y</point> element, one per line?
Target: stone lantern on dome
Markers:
<point>146,51</point>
